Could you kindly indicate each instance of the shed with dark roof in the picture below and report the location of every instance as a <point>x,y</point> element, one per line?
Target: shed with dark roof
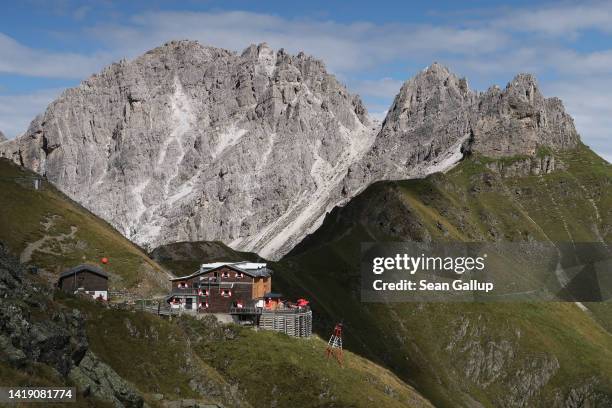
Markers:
<point>90,279</point>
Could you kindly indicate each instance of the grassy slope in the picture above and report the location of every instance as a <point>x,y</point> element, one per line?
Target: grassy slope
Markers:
<point>158,356</point>
<point>257,368</point>
<point>469,204</point>
<point>24,212</point>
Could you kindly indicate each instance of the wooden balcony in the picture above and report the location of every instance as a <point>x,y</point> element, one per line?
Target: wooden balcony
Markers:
<point>184,292</point>
<point>259,310</point>
<point>245,310</point>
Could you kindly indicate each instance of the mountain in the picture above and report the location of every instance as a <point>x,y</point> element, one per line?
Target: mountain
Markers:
<point>462,354</point>
<point>189,143</point>
<point>436,119</point>
<point>471,354</point>
<point>2,137</point>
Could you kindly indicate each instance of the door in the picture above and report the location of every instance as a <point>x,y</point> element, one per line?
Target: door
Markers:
<point>189,303</point>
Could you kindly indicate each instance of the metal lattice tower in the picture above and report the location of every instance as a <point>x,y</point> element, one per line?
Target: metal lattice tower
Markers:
<point>334,345</point>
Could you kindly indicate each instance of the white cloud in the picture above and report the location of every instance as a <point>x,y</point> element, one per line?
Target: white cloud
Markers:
<point>16,58</point>
<point>343,46</point>
<point>377,88</point>
<point>484,50</point>
<point>17,111</point>
<point>591,109</point>
<point>560,19</point>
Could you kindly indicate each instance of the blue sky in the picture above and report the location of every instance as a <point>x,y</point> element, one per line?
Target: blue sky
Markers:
<point>46,46</point>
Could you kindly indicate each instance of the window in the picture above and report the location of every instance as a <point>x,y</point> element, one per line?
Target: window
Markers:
<point>226,292</point>
<point>225,275</point>
<point>239,275</point>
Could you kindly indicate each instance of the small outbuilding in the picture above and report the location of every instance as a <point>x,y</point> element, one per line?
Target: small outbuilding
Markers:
<point>85,278</point>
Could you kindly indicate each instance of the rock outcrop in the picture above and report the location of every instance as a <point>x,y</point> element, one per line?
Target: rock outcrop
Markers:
<point>59,341</point>
<point>2,137</point>
<point>518,120</point>
<point>34,330</point>
<point>95,378</point>
<point>194,143</point>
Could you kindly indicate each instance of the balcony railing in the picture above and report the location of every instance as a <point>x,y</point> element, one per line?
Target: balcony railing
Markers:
<point>259,310</point>
<point>185,291</point>
<point>245,310</point>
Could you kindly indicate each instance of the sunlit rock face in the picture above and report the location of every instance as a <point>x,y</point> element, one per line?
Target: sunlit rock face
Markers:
<point>195,143</point>
<point>189,142</point>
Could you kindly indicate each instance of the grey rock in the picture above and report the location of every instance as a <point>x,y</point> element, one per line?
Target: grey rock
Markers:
<point>194,143</point>
<point>189,403</point>
<point>519,120</point>
<point>10,353</point>
<point>424,132</point>
<point>527,166</point>
<point>2,137</point>
<point>59,341</point>
<point>436,119</point>
<point>584,395</point>
<point>197,143</point>
<point>96,378</point>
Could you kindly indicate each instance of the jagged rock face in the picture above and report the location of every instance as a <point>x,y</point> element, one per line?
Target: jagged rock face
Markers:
<point>58,341</point>
<point>519,120</point>
<point>2,137</point>
<point>196,143</point>
<point>193,143</point>
<point>100,380</point>
<point>423,132</point>
<point>436,118</point>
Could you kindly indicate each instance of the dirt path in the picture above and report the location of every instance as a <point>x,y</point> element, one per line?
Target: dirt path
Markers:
<point>26,254</point>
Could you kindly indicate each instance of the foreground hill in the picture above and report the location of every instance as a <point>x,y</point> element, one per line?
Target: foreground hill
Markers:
<point>505,354</point>
<point>467,354</point>
<point>126,358</point>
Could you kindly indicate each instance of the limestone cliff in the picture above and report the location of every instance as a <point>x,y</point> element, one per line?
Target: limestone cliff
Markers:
<point>191,143</point>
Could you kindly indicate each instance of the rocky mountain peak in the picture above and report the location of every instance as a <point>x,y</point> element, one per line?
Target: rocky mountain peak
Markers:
<point>518,120</point>
<point>2,137</point>
<point>432,91</point>
<point>196,143</point>
<point>189,142</point>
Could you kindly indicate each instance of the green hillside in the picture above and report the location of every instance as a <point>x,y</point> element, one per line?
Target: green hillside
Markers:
<point>163,361</point>
<point>540,354</point>
<point>235,365</point>
<point>45,228</point>
<point>513,354</point>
